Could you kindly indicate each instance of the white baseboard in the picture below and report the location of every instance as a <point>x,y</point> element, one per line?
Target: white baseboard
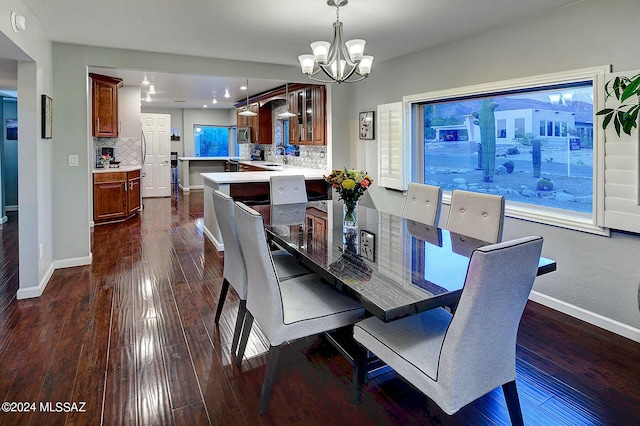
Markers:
<point>613,326</point>
<point>219,246</point>
<point>30,292</point>
<point>182,188</point>
<point>75,261</point>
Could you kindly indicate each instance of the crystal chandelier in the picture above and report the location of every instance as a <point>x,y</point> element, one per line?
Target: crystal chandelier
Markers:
<point>341,62</point>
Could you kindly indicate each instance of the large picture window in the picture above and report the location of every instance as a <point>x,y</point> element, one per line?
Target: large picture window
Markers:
<point>532,145</point>
<point>214,141</point>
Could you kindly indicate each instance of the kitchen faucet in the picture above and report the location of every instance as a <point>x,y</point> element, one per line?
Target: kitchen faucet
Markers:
<point>281,151</point>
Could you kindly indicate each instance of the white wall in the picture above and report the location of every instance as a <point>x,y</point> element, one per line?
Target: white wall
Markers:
<point>33,51</point>
<point>597,277</point>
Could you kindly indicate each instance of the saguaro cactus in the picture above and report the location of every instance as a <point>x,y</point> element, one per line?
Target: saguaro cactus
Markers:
<point>487,121</point>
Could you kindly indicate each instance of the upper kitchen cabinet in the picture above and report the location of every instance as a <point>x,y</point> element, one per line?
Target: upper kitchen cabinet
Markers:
<point>307,102</point>
<point>104,95</point>
<point>309,124</point>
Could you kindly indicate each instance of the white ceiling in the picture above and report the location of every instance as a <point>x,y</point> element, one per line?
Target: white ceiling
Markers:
<point>271,31</point>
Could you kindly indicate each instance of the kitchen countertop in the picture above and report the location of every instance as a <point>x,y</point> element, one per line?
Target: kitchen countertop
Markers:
<point>263,176</point>
<point>207,158</point>
<point>118,169</point>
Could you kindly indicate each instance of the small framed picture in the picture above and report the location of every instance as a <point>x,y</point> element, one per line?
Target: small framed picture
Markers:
<point>366,122</point>
<point>368,245</point>
<point>47,117</point>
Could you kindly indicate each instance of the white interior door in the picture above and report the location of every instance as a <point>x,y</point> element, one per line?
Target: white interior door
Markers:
<point>156,143</point>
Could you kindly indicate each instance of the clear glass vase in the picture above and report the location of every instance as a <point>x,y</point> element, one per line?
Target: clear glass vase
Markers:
<point>350,214</point>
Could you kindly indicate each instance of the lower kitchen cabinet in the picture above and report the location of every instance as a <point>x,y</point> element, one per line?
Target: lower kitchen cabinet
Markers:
<point>116,195</point>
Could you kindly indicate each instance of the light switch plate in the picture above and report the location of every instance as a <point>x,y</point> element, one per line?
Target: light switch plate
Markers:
<point>73,160</point>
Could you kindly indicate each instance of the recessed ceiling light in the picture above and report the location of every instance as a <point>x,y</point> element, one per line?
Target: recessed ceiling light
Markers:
<point>205,106</point>
<point>152,89</point>
<point>214,101</point>
<point>146,81</point>
<point>243,87</point>
<point>226,93</point>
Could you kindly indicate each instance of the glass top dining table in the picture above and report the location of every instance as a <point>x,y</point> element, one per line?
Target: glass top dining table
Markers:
<point>395,267</point>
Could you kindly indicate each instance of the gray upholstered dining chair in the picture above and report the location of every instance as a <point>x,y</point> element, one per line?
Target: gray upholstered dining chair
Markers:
<point>422,203</point>
<point>455,359</point>
<point>287,189</point>
<point>235,271</point>
<point>286,310</point>
<point>476,215</point>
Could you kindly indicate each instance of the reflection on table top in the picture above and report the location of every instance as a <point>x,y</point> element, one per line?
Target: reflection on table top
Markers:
<point>393,266</point>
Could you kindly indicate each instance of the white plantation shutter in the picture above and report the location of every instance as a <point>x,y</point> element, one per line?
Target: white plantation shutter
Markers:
<point>390,248</point>
<point>392,149</point>
<point>621,173</point>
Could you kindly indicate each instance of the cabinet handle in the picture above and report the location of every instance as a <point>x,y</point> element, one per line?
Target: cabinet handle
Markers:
<point>125,187</point>
<point>98,124</point>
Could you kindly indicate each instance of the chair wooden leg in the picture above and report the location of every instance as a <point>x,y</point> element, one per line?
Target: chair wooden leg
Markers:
<point>246,329</point>
<point>513,403</point>
<point>242,311</point>
<point>221,298</point>
<point>359,371</point>
<point>269,375</point>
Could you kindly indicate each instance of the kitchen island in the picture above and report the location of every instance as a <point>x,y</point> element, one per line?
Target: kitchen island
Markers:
<point>191,168</point>
<point>251,187</point>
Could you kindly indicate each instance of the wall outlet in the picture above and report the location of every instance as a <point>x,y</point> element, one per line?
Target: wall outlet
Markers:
<point>73,160</point>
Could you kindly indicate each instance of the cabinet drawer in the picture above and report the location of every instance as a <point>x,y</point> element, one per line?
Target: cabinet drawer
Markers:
<point>111,176</point>
<point>133,174</point>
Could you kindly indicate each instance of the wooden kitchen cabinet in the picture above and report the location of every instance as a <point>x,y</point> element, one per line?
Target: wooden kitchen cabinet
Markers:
<point>317,226</point>
<point>261,124</point>
<point>133,193</point>
<point>306,101</point>
<point>308,127</point>
<point>104,104</point>
<point>252,168</point>
<point>116,195</point>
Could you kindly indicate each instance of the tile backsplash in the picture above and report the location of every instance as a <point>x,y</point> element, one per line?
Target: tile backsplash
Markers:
<point>312,157</point>
<point>128,151</point>
<point>309,156</point>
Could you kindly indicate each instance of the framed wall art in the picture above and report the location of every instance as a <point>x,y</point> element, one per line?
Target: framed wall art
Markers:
<point>366,124</point>
<point>368,245</point>
<point>47,117</point>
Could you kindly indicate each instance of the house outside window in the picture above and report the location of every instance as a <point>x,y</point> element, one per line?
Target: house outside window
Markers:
<point>501,128</point>
<point>540,170</point>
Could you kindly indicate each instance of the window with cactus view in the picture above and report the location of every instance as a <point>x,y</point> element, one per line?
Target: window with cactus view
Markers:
<point>532,146</point>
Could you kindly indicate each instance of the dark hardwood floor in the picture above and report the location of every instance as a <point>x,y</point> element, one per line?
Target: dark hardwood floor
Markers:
<point>131,340</point>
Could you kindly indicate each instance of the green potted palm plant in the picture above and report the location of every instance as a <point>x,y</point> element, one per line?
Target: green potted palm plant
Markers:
<point>627,91</point>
